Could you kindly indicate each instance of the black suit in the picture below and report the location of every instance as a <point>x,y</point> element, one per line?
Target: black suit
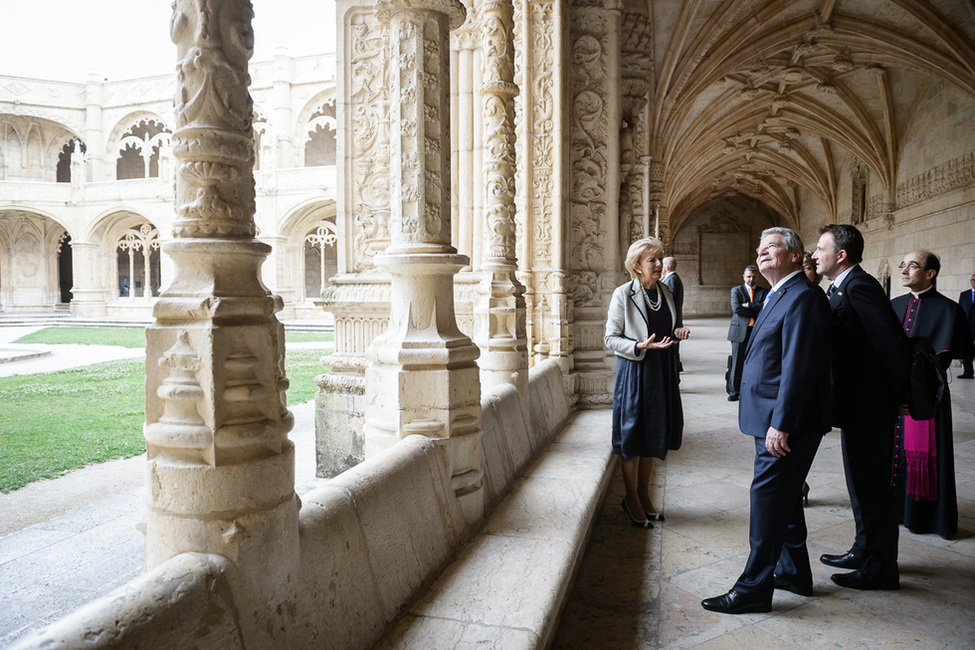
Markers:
<point>870,362</point>
<point>677,290</point>
<point>965,300</point>
<point>785,385</point>
<point>743,309</point>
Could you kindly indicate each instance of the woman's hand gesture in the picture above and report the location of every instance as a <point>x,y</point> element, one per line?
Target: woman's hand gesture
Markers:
<point>651,344</point>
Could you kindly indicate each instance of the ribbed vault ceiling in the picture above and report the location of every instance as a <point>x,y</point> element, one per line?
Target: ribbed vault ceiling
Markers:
<point>758,97</point>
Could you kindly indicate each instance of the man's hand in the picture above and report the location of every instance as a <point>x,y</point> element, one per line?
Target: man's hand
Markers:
<point>777,442</point>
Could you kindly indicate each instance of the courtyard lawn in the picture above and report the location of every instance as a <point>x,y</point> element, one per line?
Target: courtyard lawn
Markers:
<point>132,337</point>
<point>53,423</point>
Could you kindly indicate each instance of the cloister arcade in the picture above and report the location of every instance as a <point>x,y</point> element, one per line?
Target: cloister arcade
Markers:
<point>86,190</point>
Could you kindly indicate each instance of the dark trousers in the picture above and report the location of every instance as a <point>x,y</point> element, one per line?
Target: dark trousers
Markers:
<point>737,363</point>
<point>868,448</point>
<point>966,367</point>
<point>777,522</point>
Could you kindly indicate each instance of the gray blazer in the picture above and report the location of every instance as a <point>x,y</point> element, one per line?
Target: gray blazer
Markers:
<point>627,323</point>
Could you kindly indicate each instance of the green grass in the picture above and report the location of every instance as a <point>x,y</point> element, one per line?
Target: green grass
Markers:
<point>56,422</point>
<point>132,337</point>
<point>128,337</point>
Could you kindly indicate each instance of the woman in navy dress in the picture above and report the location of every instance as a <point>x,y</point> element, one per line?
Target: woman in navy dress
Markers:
<point>648,419</point>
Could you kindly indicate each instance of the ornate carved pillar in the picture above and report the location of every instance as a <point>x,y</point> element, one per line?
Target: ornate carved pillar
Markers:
<point>359,296</point>
<point>421,376</point>
<point>500,316</point>
<point>594,140</point>
<point>220,470</point>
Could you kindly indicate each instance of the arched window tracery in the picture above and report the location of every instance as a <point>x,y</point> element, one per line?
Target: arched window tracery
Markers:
<point>320,244</point>
<point>138,262</point>
<point>320,137</point>
<point>140,149</point>
<point>71,154</point>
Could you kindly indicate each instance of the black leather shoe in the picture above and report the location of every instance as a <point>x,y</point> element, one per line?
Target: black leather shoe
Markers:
<point>636,522</point>
<point>860,580</point>
<point>734,603</point>
<point>799,587</point>
<point>732,398</point>
<point>848,560</point>
<point>965,376</point>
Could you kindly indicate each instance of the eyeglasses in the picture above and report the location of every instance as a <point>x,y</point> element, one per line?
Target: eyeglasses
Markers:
<point>911,266</point>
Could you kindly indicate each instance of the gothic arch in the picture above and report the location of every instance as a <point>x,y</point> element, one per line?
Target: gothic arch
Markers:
<point>316,130</point>
<point>311,263</point>
<point>30,260</point>
<point>139,136</point>
<point>127,256</point>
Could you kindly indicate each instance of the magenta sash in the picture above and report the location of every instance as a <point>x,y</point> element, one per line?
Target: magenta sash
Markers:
<point>920,450</point>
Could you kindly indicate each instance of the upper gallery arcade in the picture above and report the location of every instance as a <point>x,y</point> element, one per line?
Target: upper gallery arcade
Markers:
<point>86,188</point>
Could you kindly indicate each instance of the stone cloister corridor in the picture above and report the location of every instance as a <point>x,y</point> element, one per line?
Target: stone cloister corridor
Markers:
<point>494,159</point>
<point>636,588</point>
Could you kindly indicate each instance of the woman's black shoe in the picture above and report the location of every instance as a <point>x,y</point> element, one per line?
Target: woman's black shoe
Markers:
<point>636,522</point>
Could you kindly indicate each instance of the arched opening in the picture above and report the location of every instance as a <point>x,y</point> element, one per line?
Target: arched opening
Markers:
<point>65,273</point>
<point>321,262</point>
<point>320,137</point>
<point>65,158</point>
<point>139,150</point>
<point>138,262</point>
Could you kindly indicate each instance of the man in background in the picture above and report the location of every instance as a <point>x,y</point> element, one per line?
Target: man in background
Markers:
<point>924,459</point>
<point>967,302</point>
<point>672,280</point>
<point>746,303</point>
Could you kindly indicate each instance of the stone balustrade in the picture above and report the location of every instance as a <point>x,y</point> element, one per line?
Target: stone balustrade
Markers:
<point>374,539</point>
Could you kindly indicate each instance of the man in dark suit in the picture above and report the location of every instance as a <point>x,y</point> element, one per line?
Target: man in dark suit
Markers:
<point>967,302</point>
<point>672,280</point>
<point>746,302</point>
<point>785,407</point>
<point>870,363</point>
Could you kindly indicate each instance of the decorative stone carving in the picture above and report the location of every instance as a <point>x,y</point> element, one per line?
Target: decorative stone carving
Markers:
<point>220,465</point>
<point>501,314</point>
<point>421,376</point>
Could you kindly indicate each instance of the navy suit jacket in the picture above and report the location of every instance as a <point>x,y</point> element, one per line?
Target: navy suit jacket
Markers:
<point>785,381</point>
<point>871,357</point>
<point>741,315</point>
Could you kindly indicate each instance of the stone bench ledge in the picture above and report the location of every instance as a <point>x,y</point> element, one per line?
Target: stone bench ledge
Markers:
<point>508,584</point>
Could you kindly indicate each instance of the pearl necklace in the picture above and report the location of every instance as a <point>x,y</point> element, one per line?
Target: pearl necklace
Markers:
<point>654,306</point>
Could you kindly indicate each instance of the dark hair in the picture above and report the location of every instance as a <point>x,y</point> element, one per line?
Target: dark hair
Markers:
<point>752,268</point>
<point>847,238</point>
<point>931,262</point>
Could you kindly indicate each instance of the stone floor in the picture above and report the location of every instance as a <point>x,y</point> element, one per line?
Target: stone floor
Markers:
<point>642,589</point>
<point>65,541</point>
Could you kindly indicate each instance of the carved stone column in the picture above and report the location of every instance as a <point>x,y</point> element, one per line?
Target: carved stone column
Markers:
<point>500,316</point>
<point>220,470</point>
<point>594,264</point>
<point>421,376</point>
<point>359,296</point>
<point>88,298</point>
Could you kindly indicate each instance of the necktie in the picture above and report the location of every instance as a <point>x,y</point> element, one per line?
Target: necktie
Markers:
<point>829,292</point>
<point>751,298</point>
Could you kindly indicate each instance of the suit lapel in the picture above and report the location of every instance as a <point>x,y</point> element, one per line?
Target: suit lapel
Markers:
<point>771,300</point>
<point>640,302</point>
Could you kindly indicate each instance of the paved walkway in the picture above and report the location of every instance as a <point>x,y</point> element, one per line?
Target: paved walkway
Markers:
<point>636,588</point>
<point>642,589</point>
